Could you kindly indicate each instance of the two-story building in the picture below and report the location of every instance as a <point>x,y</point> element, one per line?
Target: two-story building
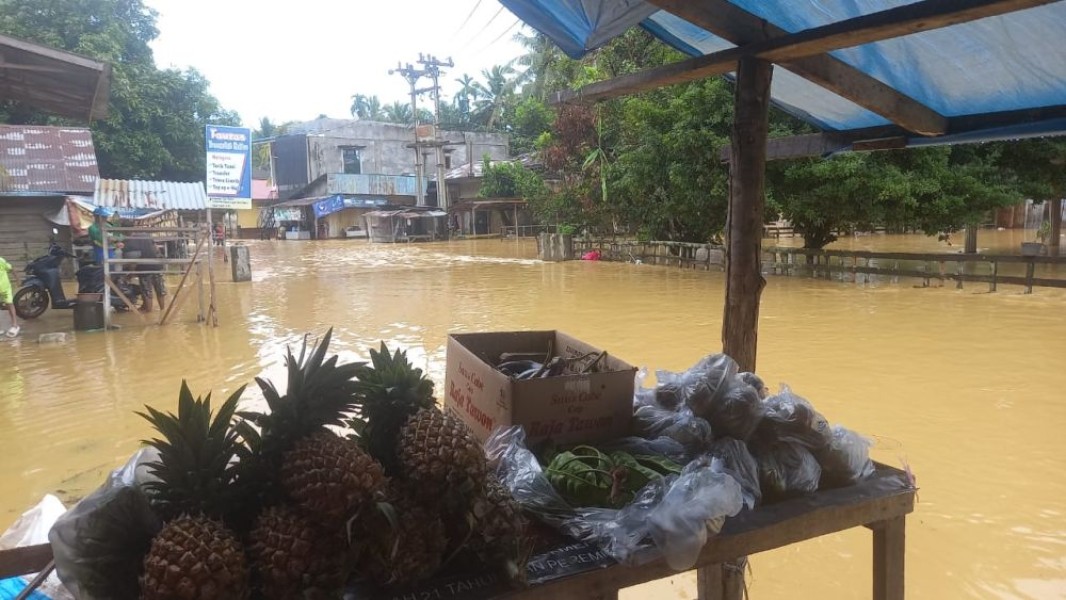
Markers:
<point>336,171</point>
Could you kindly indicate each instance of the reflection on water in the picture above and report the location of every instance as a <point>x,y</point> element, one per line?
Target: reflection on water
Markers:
<point>964,386</point>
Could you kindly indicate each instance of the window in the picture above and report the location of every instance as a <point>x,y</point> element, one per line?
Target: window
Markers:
<point>447,159</point>
<point>353,164</point>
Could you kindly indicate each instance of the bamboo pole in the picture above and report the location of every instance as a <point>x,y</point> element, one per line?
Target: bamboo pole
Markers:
<point>100,222</point>
<point>125,300</point>
<point>181,284</point>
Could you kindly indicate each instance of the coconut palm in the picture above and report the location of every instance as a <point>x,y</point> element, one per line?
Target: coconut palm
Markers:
<point>397,112</point>
<point>494,92</point>
<point>367,107</point>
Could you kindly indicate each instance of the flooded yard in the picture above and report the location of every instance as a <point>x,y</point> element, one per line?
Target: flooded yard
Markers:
<point>964,386</point>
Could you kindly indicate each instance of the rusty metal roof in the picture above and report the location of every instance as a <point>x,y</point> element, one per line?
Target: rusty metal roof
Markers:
<point>155,195</point>
<point>54,81</point>
<point>35,158</point>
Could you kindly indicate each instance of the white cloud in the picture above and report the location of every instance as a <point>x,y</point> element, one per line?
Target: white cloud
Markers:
<point>294,61</point>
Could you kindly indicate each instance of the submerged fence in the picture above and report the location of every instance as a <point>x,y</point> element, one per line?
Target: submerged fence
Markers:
<point>848,265</point>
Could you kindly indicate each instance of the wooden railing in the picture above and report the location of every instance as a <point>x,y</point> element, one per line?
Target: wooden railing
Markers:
<point>679,254</point>
<point>512,231</point>
<point>992,269</point>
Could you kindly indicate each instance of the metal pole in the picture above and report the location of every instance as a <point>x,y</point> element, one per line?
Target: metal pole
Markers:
<point>102,224</point>
<point>420,198</point>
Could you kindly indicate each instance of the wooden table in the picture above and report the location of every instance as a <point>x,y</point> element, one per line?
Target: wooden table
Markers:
<point>879,504</point>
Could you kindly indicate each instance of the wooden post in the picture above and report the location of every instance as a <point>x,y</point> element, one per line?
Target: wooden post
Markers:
<point>722,581</point>
<point>212,316</point>
<point>995,275</point>
<point>1030,267</point>
<point>747,200</point>
<point>1056,226</point>
<point>971,239</point>
<point>889,545</point>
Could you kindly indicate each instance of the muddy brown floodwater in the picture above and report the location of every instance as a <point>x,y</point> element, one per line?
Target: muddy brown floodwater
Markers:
<point>966,387</point>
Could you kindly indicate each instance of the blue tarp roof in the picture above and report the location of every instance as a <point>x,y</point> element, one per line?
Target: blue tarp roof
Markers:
<point>1010,62</point>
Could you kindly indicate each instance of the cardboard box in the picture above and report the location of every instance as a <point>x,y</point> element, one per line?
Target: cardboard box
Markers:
<point>570,408</point>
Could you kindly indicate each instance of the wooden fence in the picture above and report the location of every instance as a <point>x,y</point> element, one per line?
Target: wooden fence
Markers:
<point>992,269</point>
<point>847,265</point>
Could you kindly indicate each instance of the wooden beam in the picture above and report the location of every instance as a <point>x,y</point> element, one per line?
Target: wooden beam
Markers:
<point>908,19</point>
<point>747,199</point>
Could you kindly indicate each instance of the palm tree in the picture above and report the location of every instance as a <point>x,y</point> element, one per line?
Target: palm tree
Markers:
<point>466,96</point>
<point>367,107</point>
<point>397,112</point>
<point>546,67</point>
<point>494,93</point>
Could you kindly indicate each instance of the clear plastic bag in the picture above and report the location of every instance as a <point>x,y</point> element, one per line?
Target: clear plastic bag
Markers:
<point>756,382</point>
<point>786,469</point>
<point>667,517</point>
<point>660,446</point>
<point>100,543</point>
<point>790,418</point>
<point>846,459</point>
<point>29,530</point>
<point>698,385</point>
<point>738,463</point>
<point>692,432</point>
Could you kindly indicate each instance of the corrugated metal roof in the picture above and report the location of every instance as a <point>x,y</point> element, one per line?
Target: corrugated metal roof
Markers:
<point>157,195</point>
<point>35,158</point>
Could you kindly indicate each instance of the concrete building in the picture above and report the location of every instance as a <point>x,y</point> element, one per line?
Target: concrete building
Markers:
<point>337,171</point>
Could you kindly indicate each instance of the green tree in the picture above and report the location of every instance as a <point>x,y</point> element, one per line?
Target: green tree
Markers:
<point>155,125</point>
<point>493,94</point>
<point>367,107</point>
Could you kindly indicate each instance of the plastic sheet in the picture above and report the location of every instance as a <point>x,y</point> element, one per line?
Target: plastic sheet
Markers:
<point>668,517</point>
<point>100,543</point>
<point>29,530</point>
<point>846,459</point>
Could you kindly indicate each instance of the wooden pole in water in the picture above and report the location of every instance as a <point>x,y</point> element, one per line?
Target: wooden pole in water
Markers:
<point>104,239</point>
<point>1054,239</point>
<point>747,199</point>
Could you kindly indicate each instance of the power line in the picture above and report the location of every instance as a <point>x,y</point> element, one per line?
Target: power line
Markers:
<point>467,20</point>
<point>499,37</point>
<point>483,28</point>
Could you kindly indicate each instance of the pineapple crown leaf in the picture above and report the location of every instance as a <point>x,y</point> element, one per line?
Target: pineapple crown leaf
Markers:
<point>195,469</point>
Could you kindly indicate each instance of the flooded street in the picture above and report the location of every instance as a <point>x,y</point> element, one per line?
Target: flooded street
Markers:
<point>966,387</point>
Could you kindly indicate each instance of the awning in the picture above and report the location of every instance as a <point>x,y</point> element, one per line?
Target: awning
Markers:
<point>54,81</point>
<point>928,68</point>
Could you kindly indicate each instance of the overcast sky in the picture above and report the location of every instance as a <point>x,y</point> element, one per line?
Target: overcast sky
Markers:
<point>296,60</point>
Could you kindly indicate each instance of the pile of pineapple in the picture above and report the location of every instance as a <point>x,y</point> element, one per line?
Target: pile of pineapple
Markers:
<point>353,471</point>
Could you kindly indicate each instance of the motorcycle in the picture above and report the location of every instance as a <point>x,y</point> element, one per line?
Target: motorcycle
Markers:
<point>42,287</point>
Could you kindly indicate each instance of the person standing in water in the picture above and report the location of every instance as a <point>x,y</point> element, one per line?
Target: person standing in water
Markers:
<point>6,297</point>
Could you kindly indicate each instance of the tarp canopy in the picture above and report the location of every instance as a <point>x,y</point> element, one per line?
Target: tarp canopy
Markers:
<point>1010,66</point>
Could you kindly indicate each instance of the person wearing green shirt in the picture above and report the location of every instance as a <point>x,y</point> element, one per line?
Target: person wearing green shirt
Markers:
<point>96,235</point>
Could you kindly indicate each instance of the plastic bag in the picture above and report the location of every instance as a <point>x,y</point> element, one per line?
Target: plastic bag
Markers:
<point>660,446</point>
<point>846,459</point>
<point>699,384</point>
<point>735,411</point>
<point>668,517</point>
<point>786,469</point>
<point>695,505</point>
<point>663,395</point>
<point>738,463</point>
<point>29,530</point>
<point>692,432</point>
<point>756,382</point>
<point>790,418</point>
<point>99,544</point>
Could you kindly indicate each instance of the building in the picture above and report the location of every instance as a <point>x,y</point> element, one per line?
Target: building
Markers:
<point>248,223</point>
<point>39,168</point>
<point>472,215</point>
<point>333,172</point>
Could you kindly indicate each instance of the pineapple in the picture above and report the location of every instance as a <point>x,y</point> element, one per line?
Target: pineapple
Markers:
<point>294,557</point>
<point>194,556</point>
<point>434,454</point>
<point>403,543</point>
<point>499,527</point>
<point>294,456</point>
<point>311,480</point>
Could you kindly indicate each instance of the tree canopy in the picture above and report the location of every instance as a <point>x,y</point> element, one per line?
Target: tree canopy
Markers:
<point>155,126</point>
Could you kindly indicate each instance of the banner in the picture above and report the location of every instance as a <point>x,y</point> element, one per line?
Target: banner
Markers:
<point>229,166</point>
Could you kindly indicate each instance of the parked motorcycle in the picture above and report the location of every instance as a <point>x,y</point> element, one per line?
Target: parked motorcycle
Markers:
<point>42,286</point>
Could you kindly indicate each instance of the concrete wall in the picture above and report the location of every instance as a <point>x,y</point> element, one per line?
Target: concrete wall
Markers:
<point>384,148</point>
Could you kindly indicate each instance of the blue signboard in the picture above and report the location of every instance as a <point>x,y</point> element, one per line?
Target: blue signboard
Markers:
<point>337,203</point>
<point>229,166</point>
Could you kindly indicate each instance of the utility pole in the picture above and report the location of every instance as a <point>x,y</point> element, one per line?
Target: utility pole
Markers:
<point>433,65</point>
<point>412,75</point>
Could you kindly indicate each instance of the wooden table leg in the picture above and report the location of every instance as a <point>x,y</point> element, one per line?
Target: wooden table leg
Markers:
<point>889,545</point>
<point>606,596</point>
<point>723,581</point>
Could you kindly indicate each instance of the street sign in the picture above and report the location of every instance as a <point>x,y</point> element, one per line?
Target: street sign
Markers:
<point>229,166</point>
